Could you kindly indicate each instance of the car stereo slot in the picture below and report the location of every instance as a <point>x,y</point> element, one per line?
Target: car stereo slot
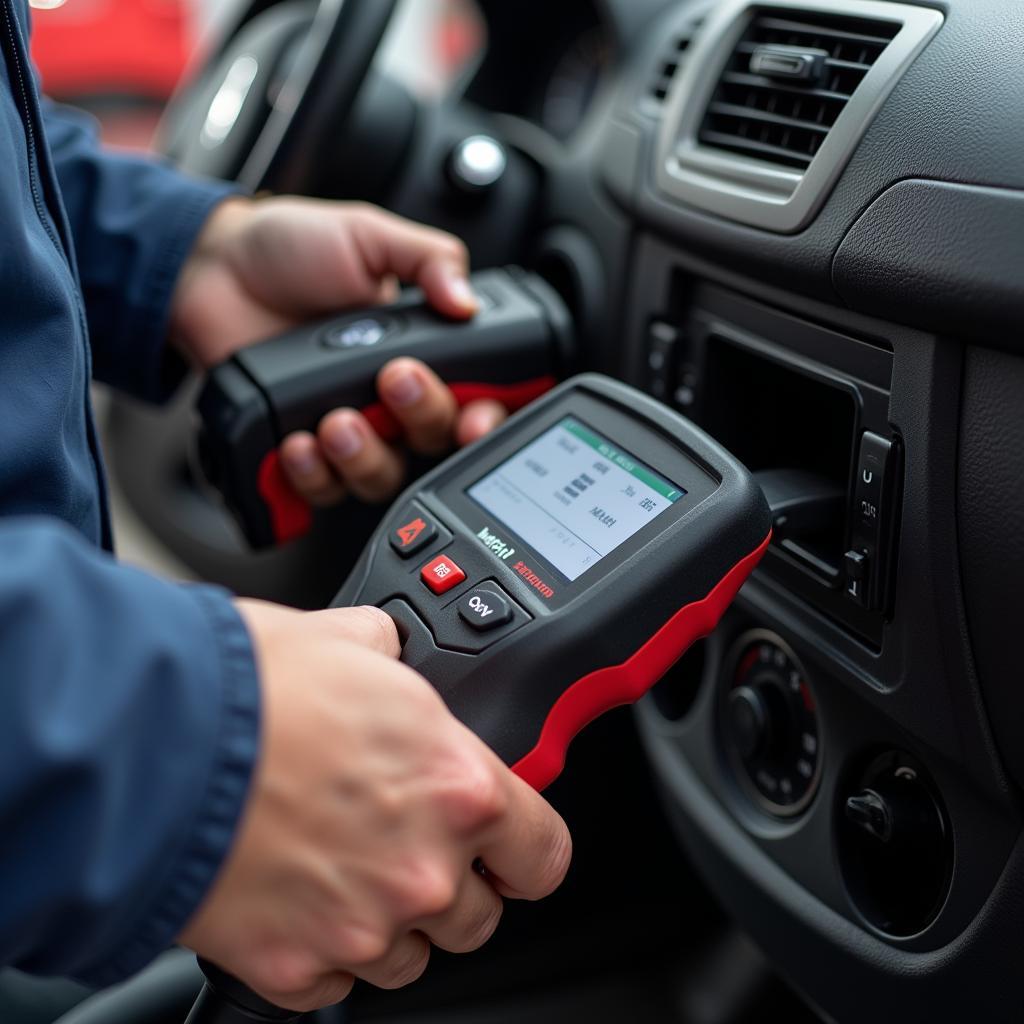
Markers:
<point>795,430</point>
<point>806,409</point>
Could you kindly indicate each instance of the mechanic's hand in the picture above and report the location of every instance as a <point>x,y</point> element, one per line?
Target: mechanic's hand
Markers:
<point>369,806</point>
<point>260,267</point>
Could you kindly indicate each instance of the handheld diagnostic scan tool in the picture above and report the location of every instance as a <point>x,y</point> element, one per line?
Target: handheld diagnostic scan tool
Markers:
<point>552,571</point>
<point>517,347</point>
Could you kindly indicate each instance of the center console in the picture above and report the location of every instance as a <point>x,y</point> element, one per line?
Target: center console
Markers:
<point>821,754</point>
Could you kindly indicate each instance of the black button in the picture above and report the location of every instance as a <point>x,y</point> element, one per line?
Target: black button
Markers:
<point>872,516</point>
<point>484,609</point>
<point>872,472</point>
<point>412,532</point>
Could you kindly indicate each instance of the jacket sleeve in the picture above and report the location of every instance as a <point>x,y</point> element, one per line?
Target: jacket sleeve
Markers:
<point>133,221</point>
<point>129,727</point>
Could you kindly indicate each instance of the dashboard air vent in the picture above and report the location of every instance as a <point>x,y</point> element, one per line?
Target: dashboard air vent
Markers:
<point>773,99</point>
<point>670,61</point>
<point>787,81</point>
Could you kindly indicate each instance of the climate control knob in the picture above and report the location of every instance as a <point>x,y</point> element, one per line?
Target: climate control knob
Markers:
<point>749,719</point>
<point>770,724</point>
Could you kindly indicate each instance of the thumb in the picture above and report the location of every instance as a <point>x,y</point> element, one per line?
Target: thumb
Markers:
<point>366,626</point>
<point>434,260</point>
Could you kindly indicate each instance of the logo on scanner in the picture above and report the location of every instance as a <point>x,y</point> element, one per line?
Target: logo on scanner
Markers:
<point>495,545</point>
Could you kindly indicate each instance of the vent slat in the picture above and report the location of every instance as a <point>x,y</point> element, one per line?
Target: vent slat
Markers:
<point>848,65</point>
<point>759,149</point>
<point>789,25</point>
<point>758,82</point>
<point>786,122</point>
<point>732,110</point>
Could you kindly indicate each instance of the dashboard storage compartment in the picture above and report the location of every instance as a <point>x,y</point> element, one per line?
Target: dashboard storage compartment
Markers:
<point>796,432</point>
<point>807,410</point>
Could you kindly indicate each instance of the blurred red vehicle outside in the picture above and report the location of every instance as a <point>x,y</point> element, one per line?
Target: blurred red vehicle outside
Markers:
<point>107,49</point>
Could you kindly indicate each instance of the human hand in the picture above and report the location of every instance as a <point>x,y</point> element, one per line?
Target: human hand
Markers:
<point>260,267</point>
<point>368,809</point>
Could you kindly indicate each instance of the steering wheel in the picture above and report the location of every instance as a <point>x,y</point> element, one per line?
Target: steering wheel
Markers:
<point>253,113</point>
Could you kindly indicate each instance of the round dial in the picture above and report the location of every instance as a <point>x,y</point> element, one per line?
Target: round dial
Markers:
<point>770,724</point>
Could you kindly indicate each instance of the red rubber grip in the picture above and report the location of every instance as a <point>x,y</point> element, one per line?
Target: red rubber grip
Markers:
<point>291,517</point>
<point>609,687</point>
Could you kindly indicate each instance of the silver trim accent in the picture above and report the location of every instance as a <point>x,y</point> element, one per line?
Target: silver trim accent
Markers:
<point>755,192</point>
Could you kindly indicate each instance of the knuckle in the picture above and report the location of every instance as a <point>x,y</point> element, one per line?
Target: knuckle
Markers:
<point>554,859</point>
<point>453,247</point>
<point>481,800</point>
<point>335,989</point>
<point>482,930</point>
<point>426,890</point>
<point>357,947</point>
<point>408,968</point>
<point>363,210</point>
<point>287,977</point>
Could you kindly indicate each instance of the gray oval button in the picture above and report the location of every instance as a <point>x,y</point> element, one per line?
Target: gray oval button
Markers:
<point>362,333</point>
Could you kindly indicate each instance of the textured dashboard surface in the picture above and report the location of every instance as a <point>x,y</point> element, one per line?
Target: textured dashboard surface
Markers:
<point>990,502</point>
<point>956,116</point>
<point>953,252</point>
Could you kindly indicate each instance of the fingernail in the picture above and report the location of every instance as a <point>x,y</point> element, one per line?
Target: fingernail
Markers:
<point>302,461</point>
<point>404,388</point>
<point>343,439</point>
<point>462,293</point>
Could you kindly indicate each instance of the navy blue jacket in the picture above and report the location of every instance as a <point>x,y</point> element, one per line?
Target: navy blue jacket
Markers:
<point>129,707</point>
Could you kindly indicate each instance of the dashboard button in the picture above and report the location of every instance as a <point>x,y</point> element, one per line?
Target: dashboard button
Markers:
<point>413,531</point>
<point>872,516</point>
<point>857,567</point>
<point>484,609</point>
<point>442,574</point>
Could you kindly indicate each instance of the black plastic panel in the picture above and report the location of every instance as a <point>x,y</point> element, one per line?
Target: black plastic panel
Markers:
<point>948,258</point>
<point>917,692</point>
<point>990,500</point>
<point>956,116</point>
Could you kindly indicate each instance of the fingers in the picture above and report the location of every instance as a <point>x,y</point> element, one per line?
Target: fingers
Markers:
<point>405,961</point>
<point>527,854</point>
<point>327,990</point>
<point>477,419</point>
<point>427,411</point>
<point>366,626</point>
<point>348,455</point>
<point>308,471</point>
<point>471,922</point>
<point>424,407</point>
<point>434,260</point>
<point>368,467</point>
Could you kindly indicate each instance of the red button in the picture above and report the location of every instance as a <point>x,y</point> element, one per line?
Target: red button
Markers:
<point>441,574</point>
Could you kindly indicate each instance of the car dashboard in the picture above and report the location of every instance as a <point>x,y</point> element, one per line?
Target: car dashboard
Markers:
<point>801,222</point>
